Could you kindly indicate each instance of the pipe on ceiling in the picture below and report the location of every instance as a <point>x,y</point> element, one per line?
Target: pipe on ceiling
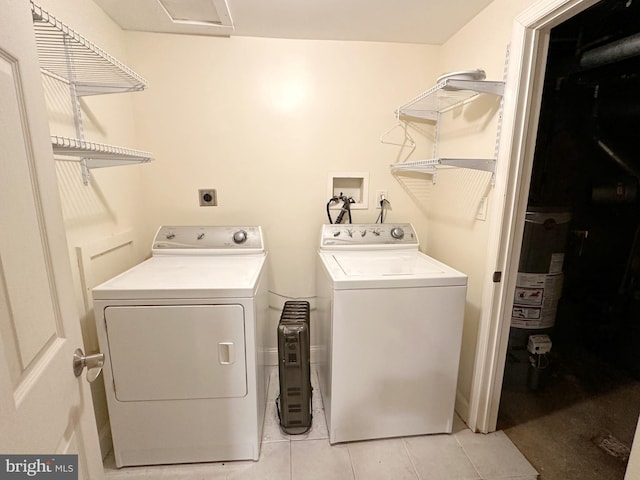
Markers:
<point>612,52</point>
<point>627,165</point>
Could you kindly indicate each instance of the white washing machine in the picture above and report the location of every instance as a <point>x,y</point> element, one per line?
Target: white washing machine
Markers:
<point>390,329</point>
<point>183,337</point>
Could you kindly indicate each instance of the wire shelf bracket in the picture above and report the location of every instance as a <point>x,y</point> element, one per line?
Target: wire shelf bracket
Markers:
<point>70,58</point>
<point>93,71</point>
<point>429,106</point>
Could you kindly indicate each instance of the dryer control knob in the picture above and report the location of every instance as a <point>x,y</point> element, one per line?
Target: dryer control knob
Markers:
<point>397,233</point>
<point>240,236</point>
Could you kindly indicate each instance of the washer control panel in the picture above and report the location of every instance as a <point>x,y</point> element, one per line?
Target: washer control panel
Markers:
<point>207,238</point>
<point>368,234</point>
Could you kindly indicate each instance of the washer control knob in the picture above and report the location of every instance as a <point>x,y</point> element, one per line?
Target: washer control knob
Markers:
<point>170,236</point>
<point>397,233</point>
<point>240,236</point>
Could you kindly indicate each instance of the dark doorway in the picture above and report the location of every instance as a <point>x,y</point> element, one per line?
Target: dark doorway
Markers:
<point>573,411</point>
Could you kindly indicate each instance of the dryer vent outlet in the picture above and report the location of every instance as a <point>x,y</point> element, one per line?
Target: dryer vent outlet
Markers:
<point>208,197</point>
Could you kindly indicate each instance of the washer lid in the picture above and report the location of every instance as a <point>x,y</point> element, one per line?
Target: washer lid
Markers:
<point>388,269</point>
<point>183,276</point>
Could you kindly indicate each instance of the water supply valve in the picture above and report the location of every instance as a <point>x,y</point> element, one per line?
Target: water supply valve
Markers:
<point>539,344</point>
<point>538,347</point>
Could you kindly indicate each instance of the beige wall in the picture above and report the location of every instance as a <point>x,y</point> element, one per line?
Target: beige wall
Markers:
<point>264,121</point>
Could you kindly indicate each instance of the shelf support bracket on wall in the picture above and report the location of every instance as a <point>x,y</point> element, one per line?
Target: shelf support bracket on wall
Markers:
<point>73,60</point>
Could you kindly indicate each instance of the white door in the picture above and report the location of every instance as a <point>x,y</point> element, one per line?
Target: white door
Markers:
<point>44,408</point>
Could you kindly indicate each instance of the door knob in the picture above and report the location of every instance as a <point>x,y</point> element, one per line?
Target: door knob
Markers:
<point>93,363</point>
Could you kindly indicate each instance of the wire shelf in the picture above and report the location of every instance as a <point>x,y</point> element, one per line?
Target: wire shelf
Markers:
<point>69,56</point>
<point>101,155</point>
<point>430,166</point>
<point>446,95</point>
<point>421,166</point>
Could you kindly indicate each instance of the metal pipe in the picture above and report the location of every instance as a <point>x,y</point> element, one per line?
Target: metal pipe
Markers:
<point>627,166</point>
<point>613,52</point>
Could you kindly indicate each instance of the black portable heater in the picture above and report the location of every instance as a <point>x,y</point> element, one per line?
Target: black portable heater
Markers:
<point>294,401</point>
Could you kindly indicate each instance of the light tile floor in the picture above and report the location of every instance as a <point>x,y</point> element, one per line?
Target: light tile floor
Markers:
<point>462,455</point>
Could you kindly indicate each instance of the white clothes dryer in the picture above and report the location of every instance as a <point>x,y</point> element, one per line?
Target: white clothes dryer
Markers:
<point>390,330</point>
<point>183,337</point>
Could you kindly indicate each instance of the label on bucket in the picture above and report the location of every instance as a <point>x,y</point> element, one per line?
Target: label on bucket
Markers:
<point>555,266</point>
<point>536,300</point>
<point>525,313</point>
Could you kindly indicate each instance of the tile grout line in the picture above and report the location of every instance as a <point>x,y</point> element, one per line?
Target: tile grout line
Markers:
<point>413,465</point>
<point>290,460</point>
<point>353,468</point>
<point>469,458</point>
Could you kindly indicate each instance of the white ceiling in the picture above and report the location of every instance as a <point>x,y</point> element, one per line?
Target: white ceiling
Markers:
<point>411,21</point>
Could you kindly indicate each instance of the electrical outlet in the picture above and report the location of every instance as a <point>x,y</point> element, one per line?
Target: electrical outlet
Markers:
<point>208,197</point>
<point>380,194</point>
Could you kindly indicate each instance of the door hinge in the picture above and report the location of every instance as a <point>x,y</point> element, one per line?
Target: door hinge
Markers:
<point>497,277</point>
